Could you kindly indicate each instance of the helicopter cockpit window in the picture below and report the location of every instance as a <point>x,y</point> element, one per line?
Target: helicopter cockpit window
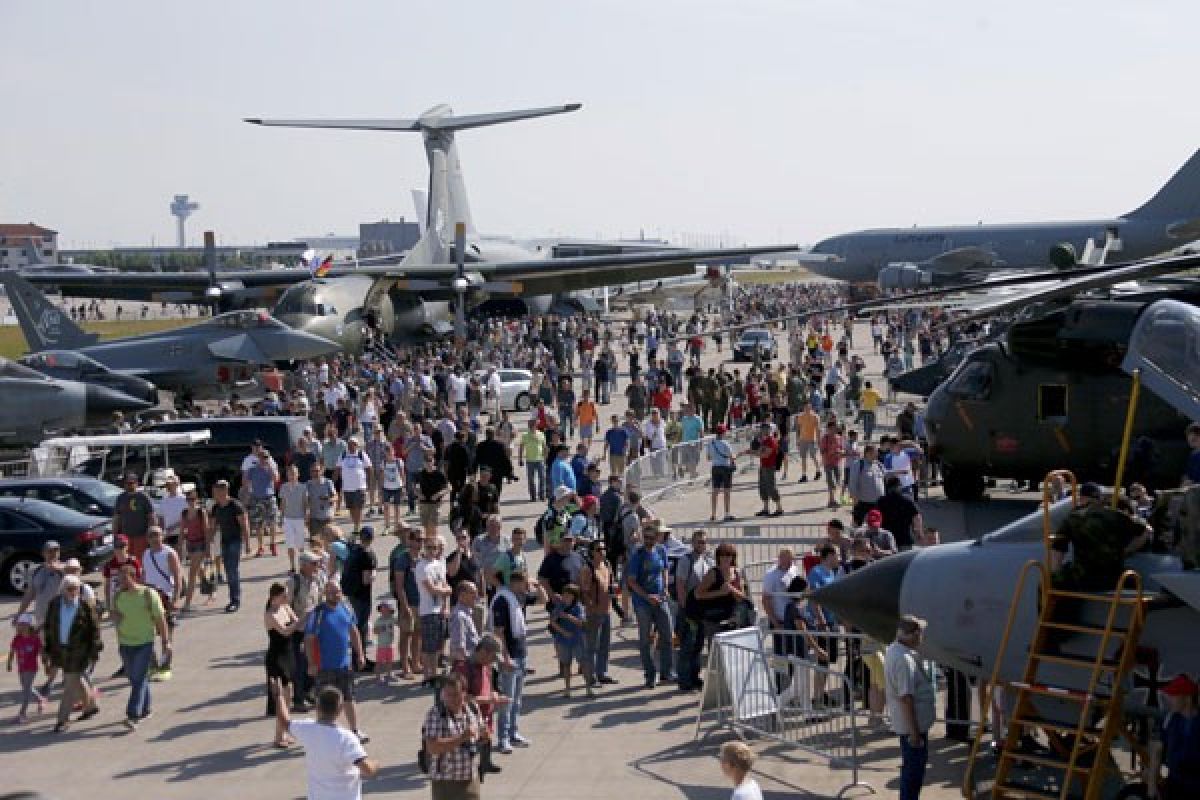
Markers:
<point>973,381</point>
<point>1052,402</point>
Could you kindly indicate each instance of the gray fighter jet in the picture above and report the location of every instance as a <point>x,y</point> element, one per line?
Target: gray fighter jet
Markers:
<point>36,404</point>
<point>218,353</point>
<point>72,366</point>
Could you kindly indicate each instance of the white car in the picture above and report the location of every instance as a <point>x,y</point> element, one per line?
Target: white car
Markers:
<point>514,388</point>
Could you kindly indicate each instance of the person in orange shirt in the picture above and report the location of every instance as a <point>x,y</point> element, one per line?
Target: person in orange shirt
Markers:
<point>807,426</point>
<point>587,416</point>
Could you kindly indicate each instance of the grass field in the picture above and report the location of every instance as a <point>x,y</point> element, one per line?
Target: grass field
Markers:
<point>771,276</point>
<point>12,341</point>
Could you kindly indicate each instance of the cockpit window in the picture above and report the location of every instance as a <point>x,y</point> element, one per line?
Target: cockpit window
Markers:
<point>244,320</point>
<point>304,300</point>
<point>11,369</point>
<point>973,381</point>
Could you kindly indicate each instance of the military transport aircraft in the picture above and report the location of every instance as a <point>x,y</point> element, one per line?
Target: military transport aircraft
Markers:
<point>907,258</point>
<point>216,354</point>
<point>412,296</point>
<point>35,404</point>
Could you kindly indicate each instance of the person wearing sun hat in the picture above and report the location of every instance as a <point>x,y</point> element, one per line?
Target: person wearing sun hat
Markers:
<point>1179,748</point>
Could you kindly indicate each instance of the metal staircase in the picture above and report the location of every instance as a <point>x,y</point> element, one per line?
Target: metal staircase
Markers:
<point>1071,698</point>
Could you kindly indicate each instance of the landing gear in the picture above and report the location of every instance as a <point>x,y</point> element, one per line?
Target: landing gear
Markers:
<point>961,485</point>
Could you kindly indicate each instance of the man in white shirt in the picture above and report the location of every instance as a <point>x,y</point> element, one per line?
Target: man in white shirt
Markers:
<point>170,510</point>
<point>353,466</point>
<point>432,591</point>
<point>493,392</point>
<point>902,467</point>
<point>456,387</point>
<point>333,756</point>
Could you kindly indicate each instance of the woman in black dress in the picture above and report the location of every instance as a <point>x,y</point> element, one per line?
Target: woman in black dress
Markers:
<point>281,622</point>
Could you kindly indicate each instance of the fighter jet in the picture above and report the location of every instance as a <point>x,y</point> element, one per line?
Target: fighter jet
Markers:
<point>216,354</point>
<point>36,404</point>
<point>909,258</point>
<point>70,365</point>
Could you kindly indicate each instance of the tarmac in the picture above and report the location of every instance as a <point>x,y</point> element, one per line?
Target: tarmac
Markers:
<point>209,736</point>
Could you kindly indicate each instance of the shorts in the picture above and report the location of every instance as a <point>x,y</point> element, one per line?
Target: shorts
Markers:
<point>295,533</point>
<point>263,511</point>
<point>429,514</point>
<point>804,449</point>
<point>355,498</point>
<point>567,652</point>
<point>385,654</point>
<point>586,431</point>
<point>340,679</point>
<point>393,497</point>
<point>433,633</point>
<point>722,478</point>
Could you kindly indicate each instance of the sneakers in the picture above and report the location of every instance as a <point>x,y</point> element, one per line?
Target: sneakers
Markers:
<point>520,741</point>
<point>804,479</point>
<point>231,608</point>
<point>91,712</point>
<point>504,747</point>
<point>606,679</point>
<point>763,513</point>
<point>131,723</point>
<point>362,737</point>
<point>589,691</point>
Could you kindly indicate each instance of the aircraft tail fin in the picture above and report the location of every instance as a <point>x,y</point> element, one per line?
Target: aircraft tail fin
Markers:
<point>1178,201</point>
<point>45,326</point>
<point>421,204</point>
<point>437,127</point>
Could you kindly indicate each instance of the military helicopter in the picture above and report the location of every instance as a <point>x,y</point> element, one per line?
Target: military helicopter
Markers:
<point>1052,393</point>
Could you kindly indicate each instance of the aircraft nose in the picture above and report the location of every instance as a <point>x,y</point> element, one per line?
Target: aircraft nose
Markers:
<point>140,388</point>
<point>869,597</point>
<point>103,401</point>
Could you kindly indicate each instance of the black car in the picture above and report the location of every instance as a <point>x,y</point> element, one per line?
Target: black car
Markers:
<point>80,493</point>
<point>752,339</point>
<point>218,458</point>
<point>26,524</point>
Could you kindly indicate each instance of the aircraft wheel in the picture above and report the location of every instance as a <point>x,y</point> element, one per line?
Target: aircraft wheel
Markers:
<point>523,403</point>
<point>961,485</point>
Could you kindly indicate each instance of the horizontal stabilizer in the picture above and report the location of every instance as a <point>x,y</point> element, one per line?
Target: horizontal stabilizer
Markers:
<point>438,118</point>
<point>238,347</point>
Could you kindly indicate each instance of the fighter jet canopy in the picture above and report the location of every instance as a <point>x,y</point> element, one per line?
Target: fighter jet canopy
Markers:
<point>1165,347</point>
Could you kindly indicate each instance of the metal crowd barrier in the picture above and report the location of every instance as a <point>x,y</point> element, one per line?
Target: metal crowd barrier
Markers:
<point>680,467</point>
<point>745,692</point>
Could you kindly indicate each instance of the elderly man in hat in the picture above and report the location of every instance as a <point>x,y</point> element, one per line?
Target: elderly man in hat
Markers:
<point>72,636</point>
<point>477,672</point>
<point>306,589</point>
<point>911,700</point>
<point>646,579</point>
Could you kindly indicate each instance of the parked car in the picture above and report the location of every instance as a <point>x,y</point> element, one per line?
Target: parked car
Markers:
<point>26,524</point>
<point>221,456</point>
<point>80,493</point>
<point>514,388</point>
<point>752,339</point>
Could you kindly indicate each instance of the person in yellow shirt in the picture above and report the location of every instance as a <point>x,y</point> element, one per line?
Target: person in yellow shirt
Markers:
<point>587,415</point>
<point>807,425</point>
<point>532,454</point>
<point>870,404</point>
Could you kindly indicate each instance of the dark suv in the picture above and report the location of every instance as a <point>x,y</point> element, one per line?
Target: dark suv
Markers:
<point>221,456</point>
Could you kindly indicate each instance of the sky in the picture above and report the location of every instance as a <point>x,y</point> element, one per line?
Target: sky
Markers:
<point>771,121</point>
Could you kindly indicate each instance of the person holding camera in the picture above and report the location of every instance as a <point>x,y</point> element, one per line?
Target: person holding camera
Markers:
<point>452,732</point>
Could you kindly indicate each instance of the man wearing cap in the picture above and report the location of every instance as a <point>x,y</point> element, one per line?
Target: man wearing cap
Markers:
<point>1179,748</point>
<point>882,542</point>
<point>353,467</point>
<point>45,581</point>
<point>306,587</point>
<point>72,636</point>
<point>911,700</point>
<point>133,514</point>
<point>720,454</point>
<point>646,579</point>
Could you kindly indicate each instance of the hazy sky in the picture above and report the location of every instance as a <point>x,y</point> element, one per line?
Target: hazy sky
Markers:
<point>776,120</point>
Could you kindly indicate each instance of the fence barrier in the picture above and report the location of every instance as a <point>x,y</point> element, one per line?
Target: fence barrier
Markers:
<point>745,691</point>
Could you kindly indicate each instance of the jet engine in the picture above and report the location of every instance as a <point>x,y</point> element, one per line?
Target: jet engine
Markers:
<point>903,276</point>
<point>1063,256</point>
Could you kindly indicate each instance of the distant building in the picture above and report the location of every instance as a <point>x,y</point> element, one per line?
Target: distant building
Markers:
<point>25,244</point>
<point>384,238</point>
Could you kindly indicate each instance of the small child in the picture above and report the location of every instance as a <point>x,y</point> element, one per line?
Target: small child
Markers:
<point>566,626</point>
<point>26,647</point>
<point>385,634</point>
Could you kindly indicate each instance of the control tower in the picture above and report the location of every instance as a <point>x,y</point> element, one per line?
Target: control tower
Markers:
<point>181,209</point>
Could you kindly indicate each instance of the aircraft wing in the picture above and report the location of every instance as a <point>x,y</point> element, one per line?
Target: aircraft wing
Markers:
<point>1094,279</point>
<point>238,347</point>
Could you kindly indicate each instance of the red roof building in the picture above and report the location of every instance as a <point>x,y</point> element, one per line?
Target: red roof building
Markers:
<point>26,244</point>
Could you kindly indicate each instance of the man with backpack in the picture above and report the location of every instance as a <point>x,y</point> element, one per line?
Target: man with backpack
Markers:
<point>331,636</point>
<point>357,577</point>
<point>690,569</point>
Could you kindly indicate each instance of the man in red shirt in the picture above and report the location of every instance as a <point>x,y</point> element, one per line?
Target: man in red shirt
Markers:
<point>766,447</point>
<point>833,448</point>
<point>662,399</point>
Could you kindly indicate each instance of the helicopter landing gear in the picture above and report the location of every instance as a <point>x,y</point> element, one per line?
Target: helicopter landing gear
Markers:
<point>961,485</point>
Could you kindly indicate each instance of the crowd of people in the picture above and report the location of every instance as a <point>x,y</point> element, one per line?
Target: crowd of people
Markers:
<point>409,451</point>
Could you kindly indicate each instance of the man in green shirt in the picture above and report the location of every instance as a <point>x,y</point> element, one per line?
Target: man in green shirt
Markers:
<point>138,615</point>
<point>532,453</point>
